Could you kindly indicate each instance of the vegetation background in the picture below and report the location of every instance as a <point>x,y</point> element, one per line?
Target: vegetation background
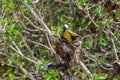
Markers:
<point>29,28</point>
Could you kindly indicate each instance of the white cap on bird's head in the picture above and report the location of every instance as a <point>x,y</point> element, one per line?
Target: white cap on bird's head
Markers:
<point>65,27</point>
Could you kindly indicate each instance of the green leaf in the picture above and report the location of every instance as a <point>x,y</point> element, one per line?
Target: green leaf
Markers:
<point>89,44</point>
<point>12,1</point>
<point>11,76</point>
<point>96,55</point>
<point>9,62</point>
<point>117,78</point>
<point>24,10</point>
<point>97,10</point>
<point>81,1</point>
<point>23,77</point>
<point>76,70</point>
<point>117,15</point>
<point>101,76</point>
<point>84,75</point>
<point>106,22</point>
<point>103,42</point>
<point>28,1</point>
<point>17,30</point>
<point>52,75</point>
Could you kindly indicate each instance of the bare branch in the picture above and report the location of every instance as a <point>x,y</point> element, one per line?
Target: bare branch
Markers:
<point>39,44</point>
<point>85,69</point>
<point>115,51</point>
<point>50,44</point>
<point>37,17</point>
<point>26,72</point>
<point>20,53</point>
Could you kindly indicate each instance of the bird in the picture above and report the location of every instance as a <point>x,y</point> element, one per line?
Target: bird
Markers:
<point>69,35</point>
<point>65,49</point>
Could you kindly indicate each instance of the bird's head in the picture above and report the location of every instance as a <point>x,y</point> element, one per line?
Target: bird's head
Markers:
<point>65,27</point>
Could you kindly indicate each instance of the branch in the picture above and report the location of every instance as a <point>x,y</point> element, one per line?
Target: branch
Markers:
<point>37,17</point>
<point>50,44</point>
<point>20,53</point>
<point>39,44</point>
<point>115,51</point>
<point>26,72</point>
<point>87,12</point>
<point>85,69</point>
<point>28,47</point>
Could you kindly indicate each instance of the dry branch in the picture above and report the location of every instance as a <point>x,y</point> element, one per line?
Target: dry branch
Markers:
<point>20,53</point>
<point>40,20</point>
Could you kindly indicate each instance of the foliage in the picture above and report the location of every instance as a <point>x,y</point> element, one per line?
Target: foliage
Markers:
<point>52,74</point>
<point>117,78</point>
<point>101,76</point>
<point>27,47</point>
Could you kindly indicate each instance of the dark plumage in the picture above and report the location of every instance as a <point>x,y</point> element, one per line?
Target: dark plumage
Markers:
<point>59,66</point>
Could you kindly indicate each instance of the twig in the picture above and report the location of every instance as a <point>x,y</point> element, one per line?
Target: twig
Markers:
<point>39,44</point>
<point>37,17</point>
<point>108,65</point>
<point>33,30</point>
<point>115,51</point>
<point>29,49</point>
<point>106,53</point>
<point>116,22</point>
<point>26,72</point>
<point>20,53</point>
<point>23,70</point>
<point>114,36</point>
<point>85,69</point>
<point>83,65</point>
<point>20,67</point>
<point>87,12</point>
<point>30,21</point>
<point>50,44</point>
<point>63,2</point>
<point>78,51</point>
<point>56,55</point>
